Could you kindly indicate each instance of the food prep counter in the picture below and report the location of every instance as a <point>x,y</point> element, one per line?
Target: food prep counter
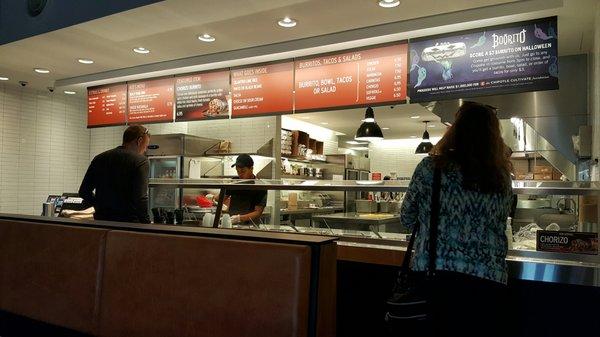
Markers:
<point>370,243</point>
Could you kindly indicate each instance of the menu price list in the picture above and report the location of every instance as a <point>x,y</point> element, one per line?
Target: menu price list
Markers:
<point>151,101</point>
<point>107,105</point>
<point>362,77</point>
<point>263,90</point>
<point>201,96</point>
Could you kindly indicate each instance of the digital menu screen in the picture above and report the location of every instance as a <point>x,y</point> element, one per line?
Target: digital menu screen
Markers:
<point>201,96</point>
<point>362,77</point>
<point>151,101</point>
<point>497,60</point>
<point>263,90</point>
<point>107,105</point>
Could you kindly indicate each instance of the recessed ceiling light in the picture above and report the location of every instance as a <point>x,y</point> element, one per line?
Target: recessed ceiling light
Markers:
<point>353,142</point>
<point>431,126</point>
<point>287,22</point>
<point>415,117</point>
<point>41,70</point>
<point>389,3</point>
<point>3,78</point>
<point>324,123</point>
<point>206,38</point>
<point>85,61</point>
<point>385,128</point>
<point>70,92</point>
<point>141,50</point>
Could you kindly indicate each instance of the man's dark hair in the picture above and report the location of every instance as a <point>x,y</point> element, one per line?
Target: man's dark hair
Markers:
<point>133,133</point>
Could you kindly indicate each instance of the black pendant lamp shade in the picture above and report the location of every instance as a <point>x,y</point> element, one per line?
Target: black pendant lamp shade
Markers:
<point>425,146</point>
<point>369,130</point>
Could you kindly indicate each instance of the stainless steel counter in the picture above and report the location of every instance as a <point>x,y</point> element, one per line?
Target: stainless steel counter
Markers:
<point>360,218</point>
<point>575,269</point>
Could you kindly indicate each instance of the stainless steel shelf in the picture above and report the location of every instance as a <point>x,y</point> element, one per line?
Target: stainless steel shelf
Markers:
<point>519,187</point>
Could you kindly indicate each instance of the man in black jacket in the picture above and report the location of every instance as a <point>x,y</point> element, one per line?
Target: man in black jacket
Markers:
<point>120,180</point>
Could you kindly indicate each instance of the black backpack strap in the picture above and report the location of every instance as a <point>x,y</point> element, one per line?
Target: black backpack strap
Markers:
<point>434,219</point>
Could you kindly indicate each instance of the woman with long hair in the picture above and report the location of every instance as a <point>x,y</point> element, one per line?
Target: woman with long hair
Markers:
<point>466,292</point>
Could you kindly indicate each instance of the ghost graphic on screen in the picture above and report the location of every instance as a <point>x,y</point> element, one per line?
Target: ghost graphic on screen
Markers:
<point>481,41</point>
<point>414,59</point>
<point>539,33</point>
<point>553,68</point>
<point>551,32</point>
<point>446,70</point>
<point>422,75</point>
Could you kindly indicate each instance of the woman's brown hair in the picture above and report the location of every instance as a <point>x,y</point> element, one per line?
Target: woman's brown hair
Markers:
<point>474,144</point>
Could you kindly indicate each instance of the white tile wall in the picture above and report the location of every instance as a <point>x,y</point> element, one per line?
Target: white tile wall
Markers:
<point>246,134</point>
<point>44,147</point>
<point>395,155</point>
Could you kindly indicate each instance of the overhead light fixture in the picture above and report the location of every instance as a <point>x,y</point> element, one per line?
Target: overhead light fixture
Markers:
<point>369,130</point>
<point>389,3</point>
<point>415,117</point>
<point>41,70</point>
<point>141,50</point>
<point>206,38</point>
<point>431,126</point>
<point>359,148</point>
<point>385,128</point>
<point>353,142</point>
<point>85,61</point>
<point>3,78</point>
<point>68,92</point>
<point>287,22</point>
<point>425,146</point>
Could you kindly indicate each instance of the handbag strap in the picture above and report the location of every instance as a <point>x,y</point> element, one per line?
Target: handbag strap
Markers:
<point>405,268</point>
<point>434,219</point>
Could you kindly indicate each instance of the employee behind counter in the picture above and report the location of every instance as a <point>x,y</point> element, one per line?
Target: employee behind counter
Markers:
<point>245,206</point>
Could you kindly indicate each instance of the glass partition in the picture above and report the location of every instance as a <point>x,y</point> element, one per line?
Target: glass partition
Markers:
<point>319,207</point>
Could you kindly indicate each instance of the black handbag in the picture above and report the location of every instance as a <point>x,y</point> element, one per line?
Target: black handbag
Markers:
<point>407,310</point>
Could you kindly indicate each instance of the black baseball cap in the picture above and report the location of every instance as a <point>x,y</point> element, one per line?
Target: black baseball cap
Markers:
<point>243,160</point>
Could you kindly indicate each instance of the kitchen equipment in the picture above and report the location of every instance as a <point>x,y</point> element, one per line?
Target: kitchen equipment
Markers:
<point>590,227</point>
<point>226,221</point>
<point>366,206</point>
<point>48,209</point>
<point>157,215</point>
<point>393,207</point>
<point>384,207</point>
<point>208,220</point>
<point>178,216</point>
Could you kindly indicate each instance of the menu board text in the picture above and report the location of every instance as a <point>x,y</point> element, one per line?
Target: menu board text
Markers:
<point>151,101</point>
<point>201,96</point>
<point>107,105</point>
<point>371,76</point>
<point>261,90</point>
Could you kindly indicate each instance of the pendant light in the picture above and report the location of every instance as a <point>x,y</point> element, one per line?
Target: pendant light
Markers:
<point>369,130</point>
<point>425,146</point>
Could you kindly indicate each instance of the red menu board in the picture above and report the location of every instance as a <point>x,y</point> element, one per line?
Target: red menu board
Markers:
<point>151,101</point>
<point>201,96</point>
<point>362,77</point>
<point>107,105</point>
<point>263,90</point>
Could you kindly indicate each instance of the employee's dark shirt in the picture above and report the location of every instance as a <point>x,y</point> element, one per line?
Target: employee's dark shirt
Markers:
<point>245,201</point>
<point>120,180</point>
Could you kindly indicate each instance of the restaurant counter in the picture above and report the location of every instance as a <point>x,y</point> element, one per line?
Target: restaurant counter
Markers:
<point>118,279</point>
